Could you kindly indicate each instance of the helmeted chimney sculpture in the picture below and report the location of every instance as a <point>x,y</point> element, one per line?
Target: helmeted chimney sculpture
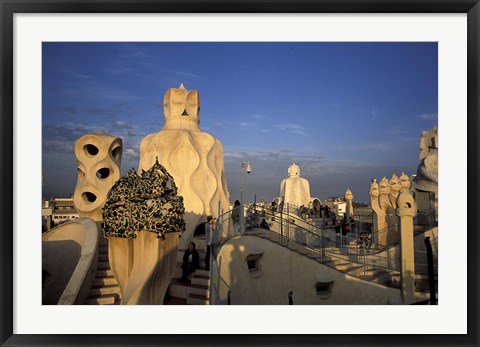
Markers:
<point>193,157</point>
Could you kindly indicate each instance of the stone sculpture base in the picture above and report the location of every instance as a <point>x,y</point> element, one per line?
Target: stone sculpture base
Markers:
<point>143,266</point>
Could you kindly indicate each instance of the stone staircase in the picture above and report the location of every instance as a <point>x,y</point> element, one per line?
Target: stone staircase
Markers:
<point>366,272</point>
<point>105,289</point>
<point>197,289</point>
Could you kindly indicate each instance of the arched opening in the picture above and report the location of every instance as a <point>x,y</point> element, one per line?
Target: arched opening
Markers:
<point>117,152</point>
<point>103,173</point>
<point>89,197</point>
<point>91,149</point>
<point>200,230</point>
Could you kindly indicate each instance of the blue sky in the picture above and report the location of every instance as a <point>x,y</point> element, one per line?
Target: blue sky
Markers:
<point>344,112</point>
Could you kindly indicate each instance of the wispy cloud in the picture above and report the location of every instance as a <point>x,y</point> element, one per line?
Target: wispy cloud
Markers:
<point>100,111</point>
<point>119,124</point>
<point>105,91</point>
<point>247,124</point>
<point>76,74</point>
<point>183,73</point>
<point>259,116</point>
<point>136,54</point>
<point>327,175</point>
<point>409,139</point>
<point>131,153</point>
<point>397,131</point>
<point>293,128</point>
<point>428,116</point>
<point>62,109</point>
<point>362,147</point>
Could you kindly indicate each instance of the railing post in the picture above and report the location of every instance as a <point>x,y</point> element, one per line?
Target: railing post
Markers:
<point>242,219</point>
<point>220,220</point>
<point>431,271</point>
<point>324,242</point>
<point>281,227</point>
<point>288,221</point>
<point>211,261</point>
<point>290,297</point>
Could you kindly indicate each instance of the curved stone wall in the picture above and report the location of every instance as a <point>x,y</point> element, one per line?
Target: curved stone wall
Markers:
<point>69,260</point>
<point>281,270</point>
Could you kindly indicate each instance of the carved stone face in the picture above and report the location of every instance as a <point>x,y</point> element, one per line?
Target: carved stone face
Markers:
<point>395,183</point>
<point>428,142</point>
<point>384,186</point>
<point>348,195</point>
<point>406,201</point>
<point>293,170</point>
<point>404,181</point>
<point>180,102</point>
<point>374,190</point>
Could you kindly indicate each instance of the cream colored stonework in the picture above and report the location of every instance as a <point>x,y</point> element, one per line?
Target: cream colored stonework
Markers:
<point>70,256</point>
<point>406,211</point>
<point>281,270</point>
<point>349,200</point>
<point>99,156</point>
<point>426,179</point>
<point>295,190</point>
<point>395,187</point>
<point>383,199</point>
<point>404,182</point>
<point>193,157</point>
<point>143,266</point>
<point>384,193</point>
<point>379,221</point>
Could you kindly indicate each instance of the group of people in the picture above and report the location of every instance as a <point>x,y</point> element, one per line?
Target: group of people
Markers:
<point>251,218</point>
<point>275,207</point>
<point>314,210</point>
<point>191,257</point>
<point>364,240</point>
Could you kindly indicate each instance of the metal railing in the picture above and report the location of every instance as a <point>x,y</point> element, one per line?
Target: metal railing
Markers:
<point>221,236</point>
<point>326,242</point>
<point>346,253</point>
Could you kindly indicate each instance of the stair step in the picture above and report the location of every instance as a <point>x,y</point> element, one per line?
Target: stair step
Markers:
<point>104,273</point>
<point>104,281</point>
<point>105,290</point>
<point>103,249</point>
<point>200,279</point>
<point>101,300</point>
<point>200,271</point>
<point>199,243</point>
<point>183,289</point>
<point>173,300</point>
<point>353,268</point>
<point>103,265</point>
<point>195,299</point>
<point>103,257</point>
<point>181,252</point>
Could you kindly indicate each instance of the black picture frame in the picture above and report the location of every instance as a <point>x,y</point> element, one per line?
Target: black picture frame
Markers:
<point>10,7</point>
